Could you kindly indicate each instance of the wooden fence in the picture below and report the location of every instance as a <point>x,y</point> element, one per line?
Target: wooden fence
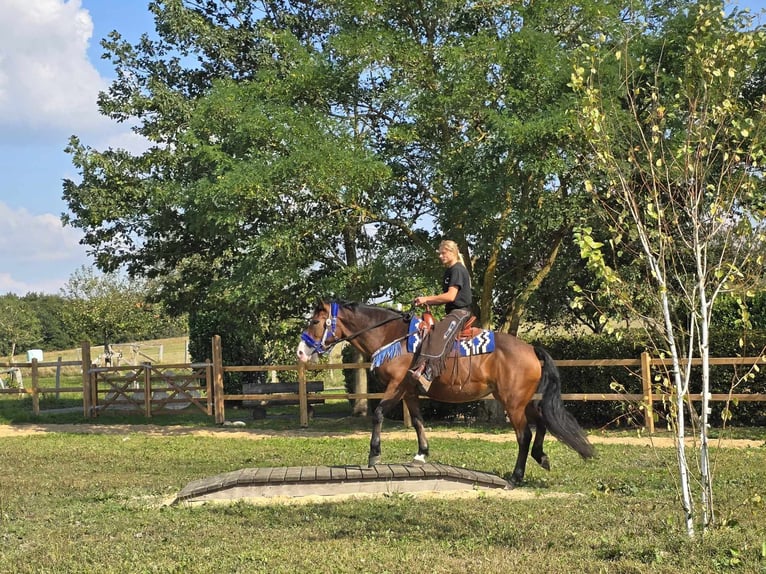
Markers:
<point>20,386</point>
<point>152,388</point>
<point>645,363</point>
<point>147,388</point>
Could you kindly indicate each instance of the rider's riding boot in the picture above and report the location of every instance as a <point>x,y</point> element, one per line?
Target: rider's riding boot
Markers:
<point>422,375</point>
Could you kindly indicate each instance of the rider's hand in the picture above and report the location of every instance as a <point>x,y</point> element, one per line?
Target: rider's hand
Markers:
<point>420,301</point>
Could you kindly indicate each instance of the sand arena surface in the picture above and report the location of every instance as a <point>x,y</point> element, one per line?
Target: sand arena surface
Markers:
<point>660,440</point>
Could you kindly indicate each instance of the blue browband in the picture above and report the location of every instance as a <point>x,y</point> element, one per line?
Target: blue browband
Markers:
<point>329,329</point>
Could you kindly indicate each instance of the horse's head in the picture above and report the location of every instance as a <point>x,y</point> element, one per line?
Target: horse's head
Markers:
<point>322,333</point>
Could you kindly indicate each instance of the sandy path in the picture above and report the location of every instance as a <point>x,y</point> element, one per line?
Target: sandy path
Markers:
<point>252,434</point>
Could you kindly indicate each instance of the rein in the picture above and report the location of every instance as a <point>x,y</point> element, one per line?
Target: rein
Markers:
<point>331,322</point>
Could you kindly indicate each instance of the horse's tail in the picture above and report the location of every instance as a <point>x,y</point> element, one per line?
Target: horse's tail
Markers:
<point>557,419</point>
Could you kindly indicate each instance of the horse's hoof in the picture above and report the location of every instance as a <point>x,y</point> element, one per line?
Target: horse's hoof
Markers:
<point>373,460</point>
<point>545,463</point>
<point>515,481</point>
<point>419,459</point>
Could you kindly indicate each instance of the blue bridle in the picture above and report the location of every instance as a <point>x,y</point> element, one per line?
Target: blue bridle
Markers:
<point>329,330</point>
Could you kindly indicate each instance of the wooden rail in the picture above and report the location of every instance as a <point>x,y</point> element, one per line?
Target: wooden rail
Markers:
<point>213,374</point>
<point>158,388</point>
<point>645,363</point>
<point>35,389</point>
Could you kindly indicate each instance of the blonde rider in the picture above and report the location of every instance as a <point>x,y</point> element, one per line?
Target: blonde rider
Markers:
<point>457,298</point>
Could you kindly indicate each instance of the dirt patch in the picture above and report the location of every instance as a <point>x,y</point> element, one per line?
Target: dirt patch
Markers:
<point>405,434</point>
<point>510,494</point>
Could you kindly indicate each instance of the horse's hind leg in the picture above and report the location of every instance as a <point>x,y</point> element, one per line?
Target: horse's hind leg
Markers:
<point>533,416</point>
<point>413,405</point>
<point>518,419</point>
<point>523,439</point>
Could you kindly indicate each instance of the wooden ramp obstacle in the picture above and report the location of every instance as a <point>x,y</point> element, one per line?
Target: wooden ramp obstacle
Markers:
<point>300,481</point>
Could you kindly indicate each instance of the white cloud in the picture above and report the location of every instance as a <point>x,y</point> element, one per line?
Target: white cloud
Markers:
<point>34,250</point>
<point>9,284</point>
<point>47,84</point>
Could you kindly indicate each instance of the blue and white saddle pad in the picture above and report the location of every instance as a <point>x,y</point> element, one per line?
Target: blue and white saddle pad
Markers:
<point>481,344</point>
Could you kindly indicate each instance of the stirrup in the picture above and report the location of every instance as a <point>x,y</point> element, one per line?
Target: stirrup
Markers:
<point>424,385</point>
<point>423,382</point>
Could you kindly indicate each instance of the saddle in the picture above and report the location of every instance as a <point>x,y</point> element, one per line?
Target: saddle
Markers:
<point>468,331</point>
<point>470,341</point>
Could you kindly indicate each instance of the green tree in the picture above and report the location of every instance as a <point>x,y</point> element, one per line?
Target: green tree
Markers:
<point>19,326</point>
<point>49,310</point>
<point>307,148</point>
<point>107,309</point>
<point>678,153</point>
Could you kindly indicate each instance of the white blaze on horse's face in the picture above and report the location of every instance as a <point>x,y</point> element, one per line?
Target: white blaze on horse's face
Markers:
<point>314,337</point>
<point>306,354</point>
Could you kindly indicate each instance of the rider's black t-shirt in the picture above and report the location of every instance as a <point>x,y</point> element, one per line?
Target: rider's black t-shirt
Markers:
<point>457,275</point>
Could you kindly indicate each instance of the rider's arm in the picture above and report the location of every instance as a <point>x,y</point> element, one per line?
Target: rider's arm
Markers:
<point>447,297</point>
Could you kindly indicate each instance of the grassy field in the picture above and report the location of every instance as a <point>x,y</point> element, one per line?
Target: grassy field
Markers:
<point>80,503</point>
<point>172,350</point>
<point>72,503</point>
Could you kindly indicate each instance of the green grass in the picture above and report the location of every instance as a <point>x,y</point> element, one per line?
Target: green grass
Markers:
<point>173,351</point>
<point>81,503</point>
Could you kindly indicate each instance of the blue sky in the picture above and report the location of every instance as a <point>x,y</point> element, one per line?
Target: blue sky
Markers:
<point>50,75</point>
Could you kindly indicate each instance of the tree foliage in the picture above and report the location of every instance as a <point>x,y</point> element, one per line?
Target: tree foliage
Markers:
<point>50,310</point>
<point>301,149</point>
<point>678,155</point>
<point>19,326</point>
<point>106,309</point>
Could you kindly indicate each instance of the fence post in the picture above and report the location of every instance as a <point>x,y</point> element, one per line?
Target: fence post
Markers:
<point>209,386</point>
<point>302,397</point>
<point>35,389</point>
<point>220,415</point>
<point>406,416</point>
<point>58,377</point>
<point>148,390</point>
<point>646,378</point>
<point>86,381</point>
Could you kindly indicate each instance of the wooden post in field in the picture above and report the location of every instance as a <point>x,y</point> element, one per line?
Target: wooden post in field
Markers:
<point>148,390</point>
<point>361,386</point>
<point>303,402</point>
<point>646,378</point>
<point>35,389</point>
<point>58,376</point>
<point>86,404</point>
<point>209,386</point>
<point>220,415</point>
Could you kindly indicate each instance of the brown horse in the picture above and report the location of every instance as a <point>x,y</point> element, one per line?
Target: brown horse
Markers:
<point>512,374</point>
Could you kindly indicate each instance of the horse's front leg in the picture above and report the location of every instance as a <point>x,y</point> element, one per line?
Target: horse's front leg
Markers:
<point>390,398</point>
<point>377,425</point>
<point>413,405</point>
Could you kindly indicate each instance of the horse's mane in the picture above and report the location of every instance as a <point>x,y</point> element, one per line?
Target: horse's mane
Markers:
<point>376,310</point>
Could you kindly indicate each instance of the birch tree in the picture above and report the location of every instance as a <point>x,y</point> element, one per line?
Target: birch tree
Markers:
<point>678,156</point>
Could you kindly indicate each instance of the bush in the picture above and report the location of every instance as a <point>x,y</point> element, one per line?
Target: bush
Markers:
<point>599,379</point>
<point>624,379</point>
<point>615,379</point>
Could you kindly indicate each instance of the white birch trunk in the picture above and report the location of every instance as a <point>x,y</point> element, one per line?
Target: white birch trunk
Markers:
<point>707,480</point>
<point>681,389</point>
